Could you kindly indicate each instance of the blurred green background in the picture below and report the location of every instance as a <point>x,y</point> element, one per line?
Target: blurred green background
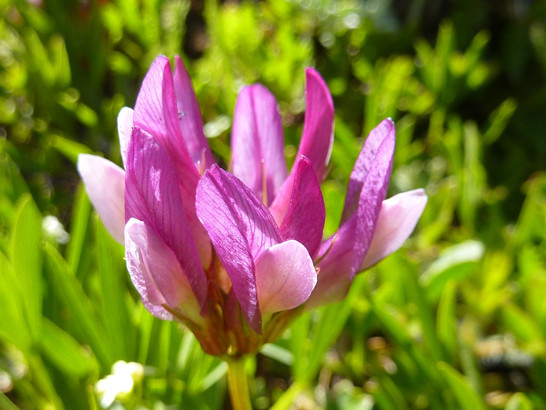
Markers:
<point>456,319</point>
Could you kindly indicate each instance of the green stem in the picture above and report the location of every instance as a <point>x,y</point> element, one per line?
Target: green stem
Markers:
<point>238,384</point>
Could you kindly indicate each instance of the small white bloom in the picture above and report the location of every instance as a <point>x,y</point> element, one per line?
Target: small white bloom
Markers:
<point>120,384</point>
<point>54,229</point>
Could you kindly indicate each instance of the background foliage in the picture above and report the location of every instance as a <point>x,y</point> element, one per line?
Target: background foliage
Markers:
<point>454,320</point>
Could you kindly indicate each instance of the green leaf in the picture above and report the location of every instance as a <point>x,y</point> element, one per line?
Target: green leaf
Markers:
<point>114,292</point>
<point>391,320</point>
<point>26,261</point>
<point>70,149</point>
<point>522,325</point>
<point>278,353</point>
<point>455,263</point>
<point>73,297</point>
<point>519,401</point>
<point>467,397</point>
<point>499,120</point>
<point>78,228</point>
<point>446,324</point>
<point>6,403</point>
<point>12,326</point>
<point>64,352</point>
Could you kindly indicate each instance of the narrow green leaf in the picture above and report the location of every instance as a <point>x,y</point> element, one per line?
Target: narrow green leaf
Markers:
<point>26,260</point>
<point>456,262</point>
<point>70,292</point>
<point>519,401</point>
<point>12,326</point>
<point>389,319</point>
<point>395,395</point>
<point>499,120</point>
<point>446,324</point>
<point>114,293</point>
<point>214,376</point>
<point>521,324</point>
<point>59,61</point>
<point>6,403</point>
<point>78,228</point>
<point>467,397</point>
<point>70,149</point>
<point>64,352</point>
<point>278,353</point>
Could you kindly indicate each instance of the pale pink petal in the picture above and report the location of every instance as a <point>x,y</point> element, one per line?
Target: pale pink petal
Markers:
<point>189,115</point>
<point>125,127</point>
<point>304,220</point>
<point>396,221</point>
<point>285,277</point>
<point>257,143</point>
<point>240,228</point>
<point>152,195</point>
<point>104,182</point>
<point>156,273</point>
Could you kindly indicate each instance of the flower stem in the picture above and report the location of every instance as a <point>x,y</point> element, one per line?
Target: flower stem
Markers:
<point>238,384</point>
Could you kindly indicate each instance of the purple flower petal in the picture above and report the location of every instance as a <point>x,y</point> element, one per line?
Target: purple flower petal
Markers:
<point>335,270</point>
<point>304,220</point>
<point>396,222</point>
<point>125,128</point>
<point>156,273</point>
<point>374,190</point>
<point>191,122</point>
<point>285,277</point>
<point>240,228</point>
<point>317,139</point>
<point>156,113</point>
<point>257,141</point>
<point>362,166</point>
<point>345,251</point>
<point>152,195</point>
<point>104,182</point>
<point>155,109</point>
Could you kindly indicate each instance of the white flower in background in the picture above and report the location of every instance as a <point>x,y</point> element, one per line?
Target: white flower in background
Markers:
<point>54,230</point>
<point>120,384</point>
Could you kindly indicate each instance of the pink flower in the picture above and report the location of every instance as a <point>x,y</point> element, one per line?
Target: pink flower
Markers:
<point>222,251</point>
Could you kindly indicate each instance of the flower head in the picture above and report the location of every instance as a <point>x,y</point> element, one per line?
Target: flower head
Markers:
<point>235,256</point>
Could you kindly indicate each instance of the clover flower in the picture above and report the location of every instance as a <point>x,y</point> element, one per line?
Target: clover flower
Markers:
<point>235,256</point>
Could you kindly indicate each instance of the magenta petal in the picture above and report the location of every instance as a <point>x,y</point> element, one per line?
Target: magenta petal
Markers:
<point>304,220</point>
<point>336,268</point>
<point>104,182</point>
<point>156,273</point>
<point>344,252</point>
<point>157,114</point>
<point>191,122</point>
<point>317,139</point>
<point>285,277</point>
<point>125,128</point>
<point>362,166</point>
<point>318,136</point>
<point>374,190</point>
<point>240,228</point>
<point>152,195</point>
<point>257,141</point>
<point>396,221</point>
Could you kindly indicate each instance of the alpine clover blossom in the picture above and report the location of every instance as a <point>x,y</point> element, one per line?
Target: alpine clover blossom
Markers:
<point>235,256</point>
